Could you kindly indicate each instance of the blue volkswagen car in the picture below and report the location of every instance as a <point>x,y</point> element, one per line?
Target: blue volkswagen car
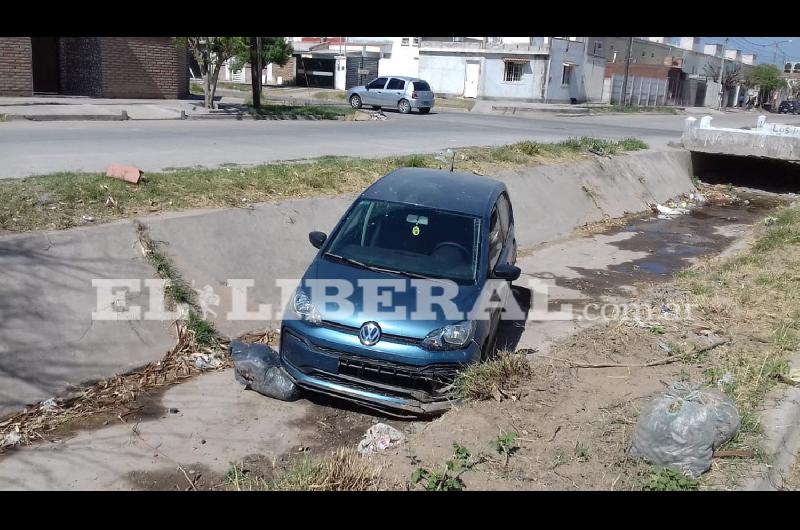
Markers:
<point>395,302</point>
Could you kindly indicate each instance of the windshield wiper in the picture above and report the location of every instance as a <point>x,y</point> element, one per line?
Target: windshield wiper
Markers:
<point>403,273</point>
<point>349,260</point>
<point>373,268</point>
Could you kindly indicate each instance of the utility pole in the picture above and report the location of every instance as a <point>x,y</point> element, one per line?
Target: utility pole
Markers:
<point>722,75</point>
<point>255,70</point>
<point>627,69</point>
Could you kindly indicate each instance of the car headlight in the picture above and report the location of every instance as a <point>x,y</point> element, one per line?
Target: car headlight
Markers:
<point>450,337</point>
<point>302,307</point>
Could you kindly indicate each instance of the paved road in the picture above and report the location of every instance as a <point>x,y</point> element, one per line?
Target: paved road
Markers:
<point>29,148</point>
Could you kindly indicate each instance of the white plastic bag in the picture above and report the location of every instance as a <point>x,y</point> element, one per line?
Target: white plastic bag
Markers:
<point>681,428</point>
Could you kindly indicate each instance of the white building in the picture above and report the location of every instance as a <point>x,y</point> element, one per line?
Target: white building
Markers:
<point>403,59</point>
<point>548,69</point>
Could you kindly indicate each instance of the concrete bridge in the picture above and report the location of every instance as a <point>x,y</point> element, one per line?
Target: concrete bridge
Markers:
<point>767,140</point>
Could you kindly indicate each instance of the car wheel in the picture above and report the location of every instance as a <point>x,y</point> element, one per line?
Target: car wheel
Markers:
<point>424,110</point>
<point>355,101</point>
<point>404,106</point>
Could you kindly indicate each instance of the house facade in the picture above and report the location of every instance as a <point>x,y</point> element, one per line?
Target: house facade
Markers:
<point>533,69</point>
<point>105,67</point>
<point>662,73</point>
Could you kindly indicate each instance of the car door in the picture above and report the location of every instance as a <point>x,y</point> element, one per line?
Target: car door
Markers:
<point>394,92</point>
<point>373,95</point>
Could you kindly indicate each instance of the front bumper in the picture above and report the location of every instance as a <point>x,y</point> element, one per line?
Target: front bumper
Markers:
<point>392,387</point>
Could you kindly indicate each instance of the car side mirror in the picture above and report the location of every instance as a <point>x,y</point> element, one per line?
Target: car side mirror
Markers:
<point>505,271</point>
<point>317,238</point>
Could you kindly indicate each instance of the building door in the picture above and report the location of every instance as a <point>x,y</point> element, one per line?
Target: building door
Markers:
<point>44,58</point>
<point>471,79</point>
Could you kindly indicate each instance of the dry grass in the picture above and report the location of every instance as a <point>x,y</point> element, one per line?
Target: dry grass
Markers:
<point>342,470</point>
<point>754,299</point>
<point>793,480</point>
<point>484,380</point>
<point>61,200</point>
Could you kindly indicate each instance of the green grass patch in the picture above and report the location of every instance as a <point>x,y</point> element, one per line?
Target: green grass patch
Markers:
<point>62,200</point>
<point>635,109</point>
<point>665,479</point>
<point>505,372</point>
<point>320,112</point>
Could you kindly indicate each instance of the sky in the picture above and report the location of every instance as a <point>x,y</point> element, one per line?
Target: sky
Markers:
<point>763,47</point>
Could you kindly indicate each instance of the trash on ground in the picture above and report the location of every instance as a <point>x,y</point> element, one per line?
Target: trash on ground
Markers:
<point>50,405</point>
<point>378,438</point>
<point>682,427</point>
<point>666,210</point>
<point>127,173</point>
<point>88,218</point>
<point>768,221</point>
<point>378,115</point>
<point>208,361</point>
<point>11,438</point>
<point>258,367</point>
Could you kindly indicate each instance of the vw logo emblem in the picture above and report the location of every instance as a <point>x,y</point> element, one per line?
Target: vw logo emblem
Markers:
<point>369,334</point>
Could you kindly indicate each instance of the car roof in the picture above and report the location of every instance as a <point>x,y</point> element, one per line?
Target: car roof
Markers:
<point>436,188</point>
<point>404,78</point>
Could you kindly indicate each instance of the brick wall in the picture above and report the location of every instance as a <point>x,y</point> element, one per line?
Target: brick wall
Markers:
<point>16,75</point>
<point>143,67</point>
<point>639,70</point>
<point>80,66</point>
<point>286,71</point>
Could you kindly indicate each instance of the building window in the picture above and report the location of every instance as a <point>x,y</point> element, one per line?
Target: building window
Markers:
<point>416,41</point>
<point>404,41</point>
<point>652,55</point>
<point>513,71</point>
<point>566,74</point>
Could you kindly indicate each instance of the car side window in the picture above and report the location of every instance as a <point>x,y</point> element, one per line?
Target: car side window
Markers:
<point>495,239</point>
<point>396,84</point>
<point>504,210</point>
<point>378,83</point>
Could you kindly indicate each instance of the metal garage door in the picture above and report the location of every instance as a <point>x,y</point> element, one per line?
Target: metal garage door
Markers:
<point>360,71</point>
<point>317,73</point>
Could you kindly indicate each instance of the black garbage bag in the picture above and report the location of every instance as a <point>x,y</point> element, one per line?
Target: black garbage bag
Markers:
<point>258,367</point>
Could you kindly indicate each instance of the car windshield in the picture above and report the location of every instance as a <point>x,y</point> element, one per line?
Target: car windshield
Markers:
<point>410,240</point>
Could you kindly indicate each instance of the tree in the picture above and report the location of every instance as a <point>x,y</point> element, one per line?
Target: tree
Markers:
<point>733,74</point>
<point>275,50</point>
<point>767,78</point>
<point>211,53</point>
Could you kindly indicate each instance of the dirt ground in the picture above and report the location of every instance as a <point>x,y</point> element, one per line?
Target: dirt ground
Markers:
<point>572,425</point>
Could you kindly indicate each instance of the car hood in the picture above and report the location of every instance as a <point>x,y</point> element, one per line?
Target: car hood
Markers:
<point>401,325</point>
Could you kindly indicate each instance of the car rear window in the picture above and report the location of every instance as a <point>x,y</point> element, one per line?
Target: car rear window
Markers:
<point>422,86</point>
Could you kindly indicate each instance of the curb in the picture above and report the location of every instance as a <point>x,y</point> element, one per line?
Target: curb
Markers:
<point>782,429</point>
<point>122,116</point>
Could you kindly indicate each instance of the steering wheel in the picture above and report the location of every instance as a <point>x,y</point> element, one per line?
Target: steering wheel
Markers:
<point>445,244</point>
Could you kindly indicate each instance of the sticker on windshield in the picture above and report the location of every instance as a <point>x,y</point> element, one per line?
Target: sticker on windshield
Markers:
<point>417,219</point>
<point>415,230</point>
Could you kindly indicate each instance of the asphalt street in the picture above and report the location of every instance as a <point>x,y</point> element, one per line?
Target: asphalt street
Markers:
<point>30,148</point>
